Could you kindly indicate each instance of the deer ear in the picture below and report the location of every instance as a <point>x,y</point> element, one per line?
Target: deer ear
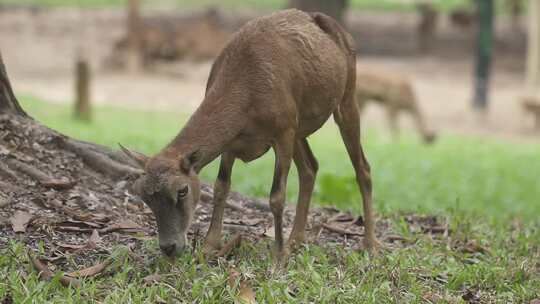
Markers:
<point>188,161</point>
<point>139,158</point>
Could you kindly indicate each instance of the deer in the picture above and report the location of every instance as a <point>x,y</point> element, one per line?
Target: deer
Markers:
<point>278,80</point>
<point>396,94</point>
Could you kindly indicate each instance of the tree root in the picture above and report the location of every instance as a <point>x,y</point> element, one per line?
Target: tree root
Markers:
<point>7,172</point>
<point>40,176</point>
<point>99,160</point>
<point>9,187</point>
<point>34,173</point>
<point>117,156</point>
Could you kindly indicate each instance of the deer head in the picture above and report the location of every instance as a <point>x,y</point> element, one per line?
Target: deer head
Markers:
<point>170,187</point>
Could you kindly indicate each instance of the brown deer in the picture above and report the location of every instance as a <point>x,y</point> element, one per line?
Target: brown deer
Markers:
<point>396,94</point>
<point>277,81</point>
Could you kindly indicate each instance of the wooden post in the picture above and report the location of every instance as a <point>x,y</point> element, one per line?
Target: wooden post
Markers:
<point>134,53</point>
<point>427,24</point>
<point>533,46</point>
<point>83,109</point>
<point>484,50</point>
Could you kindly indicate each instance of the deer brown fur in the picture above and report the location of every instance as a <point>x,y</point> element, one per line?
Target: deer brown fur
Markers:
<point>396,94</point>
<point>277,81</point>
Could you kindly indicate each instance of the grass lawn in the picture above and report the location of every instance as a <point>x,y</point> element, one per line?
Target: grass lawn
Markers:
<point>487,189</point>
<point>477,176</point>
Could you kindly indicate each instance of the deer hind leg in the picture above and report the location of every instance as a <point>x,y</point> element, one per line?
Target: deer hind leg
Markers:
<point>283,150</point>
<point>221,191</point>
<point>349,125</point>
<point>307,167</point>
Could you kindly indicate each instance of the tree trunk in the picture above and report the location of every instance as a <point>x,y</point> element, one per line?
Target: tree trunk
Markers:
<point>427,25</point>
<point>333,8</point>
<point>8,101</point>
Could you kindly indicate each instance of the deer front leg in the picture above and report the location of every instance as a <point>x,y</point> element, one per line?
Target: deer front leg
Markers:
<point>283,150</point>
<point>221,191</point>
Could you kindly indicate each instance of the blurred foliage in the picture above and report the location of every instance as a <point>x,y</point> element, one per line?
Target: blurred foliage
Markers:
<point>479,176</point>
<point>262,4</point>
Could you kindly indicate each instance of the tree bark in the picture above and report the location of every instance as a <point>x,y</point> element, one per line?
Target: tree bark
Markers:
<point>333,8</point>
<point>8,101</point>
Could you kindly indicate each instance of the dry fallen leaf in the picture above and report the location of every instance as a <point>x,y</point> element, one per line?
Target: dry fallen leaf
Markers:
<point>90,271</point>
<point>342,217</point>
<point>271,232</point>
<point>46,274</point>
<point>431,297</point>
<point>535,301</point>
<point>92,243</point>
<point>151,279</point>
<point>246,295</point>
<point>73,228</point>
<point>126,226</point>
<point>473,246</point>
<point>20,220</point>
<point>94,239</point>
<point>230,246</point>
<point>336,229</point>
<point>471,296</point>
<point>58,184</point>
<point>78,223</point>
<point>244,221</point>
<point>71,246</point>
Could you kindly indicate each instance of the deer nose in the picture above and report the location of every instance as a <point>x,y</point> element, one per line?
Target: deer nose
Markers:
<point>168,249</point>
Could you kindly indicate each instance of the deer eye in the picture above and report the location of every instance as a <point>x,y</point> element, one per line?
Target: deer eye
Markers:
<point>183,192</point>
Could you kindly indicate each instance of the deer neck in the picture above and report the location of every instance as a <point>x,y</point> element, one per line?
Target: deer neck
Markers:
<point>208,132</point>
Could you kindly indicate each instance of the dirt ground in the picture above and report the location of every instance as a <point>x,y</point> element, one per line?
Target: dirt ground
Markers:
<point>40,48</point>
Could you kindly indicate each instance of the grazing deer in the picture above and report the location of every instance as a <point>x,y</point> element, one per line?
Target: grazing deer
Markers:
<point>396,94</point>
<point>277,81</point>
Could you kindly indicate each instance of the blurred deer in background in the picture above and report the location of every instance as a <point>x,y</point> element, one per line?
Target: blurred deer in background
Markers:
<point>278,81</point>
<point>396,94</point>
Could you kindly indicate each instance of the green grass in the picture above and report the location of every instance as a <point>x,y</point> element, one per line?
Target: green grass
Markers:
<point>488,189</point>
<point>477,176</point>
<point>388,5</point>
<point>508,274</point>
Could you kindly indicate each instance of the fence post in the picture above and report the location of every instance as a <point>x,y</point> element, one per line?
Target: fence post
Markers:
<point>484,51</point>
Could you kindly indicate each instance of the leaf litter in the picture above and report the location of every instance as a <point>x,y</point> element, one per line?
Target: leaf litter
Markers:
<point>84,214</point>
